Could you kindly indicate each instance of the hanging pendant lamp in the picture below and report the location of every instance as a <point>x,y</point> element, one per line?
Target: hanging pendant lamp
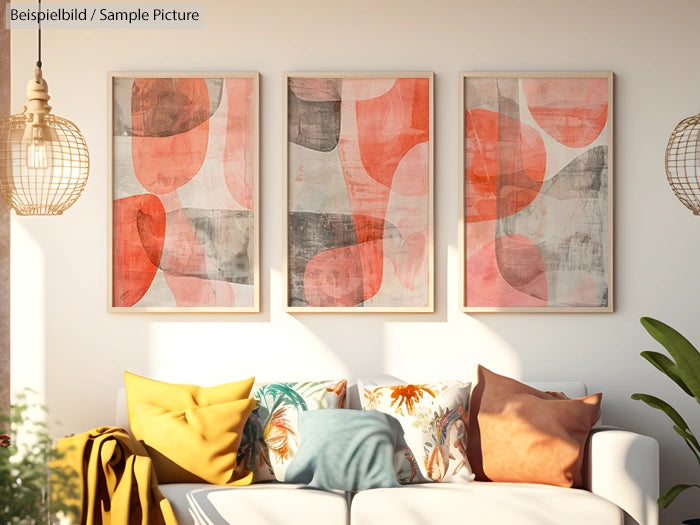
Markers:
<point>683,162</point>
<point>44,161</point>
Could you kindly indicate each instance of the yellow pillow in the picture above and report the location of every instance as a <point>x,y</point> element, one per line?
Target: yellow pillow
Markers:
<point>191,433</point>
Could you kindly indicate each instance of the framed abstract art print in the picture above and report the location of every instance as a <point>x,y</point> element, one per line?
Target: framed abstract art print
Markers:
<point>184,192</point>
<point>359,192</point>
<point>536,224</point>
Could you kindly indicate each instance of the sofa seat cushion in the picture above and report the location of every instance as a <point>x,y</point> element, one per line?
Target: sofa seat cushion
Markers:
<point>482,503</point>
<point>271,503</point>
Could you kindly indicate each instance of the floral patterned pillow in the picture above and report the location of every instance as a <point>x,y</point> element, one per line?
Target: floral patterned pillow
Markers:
<point>433,420</point>
<point>271,435</point>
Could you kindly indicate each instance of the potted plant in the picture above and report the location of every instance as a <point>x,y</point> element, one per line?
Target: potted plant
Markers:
<point>683,368</point>
<point>25,476</point>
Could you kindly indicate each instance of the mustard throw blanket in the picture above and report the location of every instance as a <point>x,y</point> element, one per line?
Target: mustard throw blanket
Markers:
<point>117,479</point>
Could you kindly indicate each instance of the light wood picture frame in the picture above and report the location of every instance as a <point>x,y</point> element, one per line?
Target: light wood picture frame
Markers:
<point>536,170</point>
<point>184,192</point>
<point>358,185</point>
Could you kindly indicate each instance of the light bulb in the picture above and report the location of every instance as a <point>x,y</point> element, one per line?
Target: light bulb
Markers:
<point>37,156</point>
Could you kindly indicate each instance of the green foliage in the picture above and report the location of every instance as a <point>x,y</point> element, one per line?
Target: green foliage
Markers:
<point>683,368</point>
<point>24,468</point>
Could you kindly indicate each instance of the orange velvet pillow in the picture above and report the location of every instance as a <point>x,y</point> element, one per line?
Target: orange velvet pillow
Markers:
<point>519,434</point>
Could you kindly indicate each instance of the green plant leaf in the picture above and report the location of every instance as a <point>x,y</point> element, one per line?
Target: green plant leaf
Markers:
<point>685,354</point>
<point>690,439</point>
<point>668,367</point>
<point>660,404</point>
<point>667,497</point>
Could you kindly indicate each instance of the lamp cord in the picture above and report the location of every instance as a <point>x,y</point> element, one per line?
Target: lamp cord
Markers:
<point>38,62</point>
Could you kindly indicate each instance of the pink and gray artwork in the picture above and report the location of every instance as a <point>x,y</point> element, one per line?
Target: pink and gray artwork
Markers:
<point>536,192</point>
<point>359,180</point>
<point>183,192</point>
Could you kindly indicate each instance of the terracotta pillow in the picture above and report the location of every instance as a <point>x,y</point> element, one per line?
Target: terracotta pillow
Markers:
<point>519,434</point>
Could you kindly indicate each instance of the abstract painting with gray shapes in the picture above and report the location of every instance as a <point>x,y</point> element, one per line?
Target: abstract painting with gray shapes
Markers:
<point>184,192</point>
<point>537,192</point>
<point>359,179</point>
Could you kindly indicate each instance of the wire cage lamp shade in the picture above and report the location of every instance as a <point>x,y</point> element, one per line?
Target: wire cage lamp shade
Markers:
<point>44,160</point>
<point>683,162</point>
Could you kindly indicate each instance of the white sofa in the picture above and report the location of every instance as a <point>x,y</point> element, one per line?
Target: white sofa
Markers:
<point>621,486</point>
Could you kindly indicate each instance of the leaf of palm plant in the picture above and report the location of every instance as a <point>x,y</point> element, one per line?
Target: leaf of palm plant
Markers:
<point>690,440</point>
<point>668,367</point>
<point>667,497</point>
<point>680,424</point>
<point>660,404</point>
<point>685,354</point>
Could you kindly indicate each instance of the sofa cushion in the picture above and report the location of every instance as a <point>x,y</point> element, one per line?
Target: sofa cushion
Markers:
<point>191,433</point>
<point>271,434</point>
<point>433,420</point>
<point>346,450</point>
<point>269,503</point>
<point>520,434</point>
<point>482,503</point>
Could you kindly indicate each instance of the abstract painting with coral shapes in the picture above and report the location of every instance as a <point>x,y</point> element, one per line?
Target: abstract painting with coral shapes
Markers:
<point>184,192</point>
<point>359,192</point>
<point>537,192</point>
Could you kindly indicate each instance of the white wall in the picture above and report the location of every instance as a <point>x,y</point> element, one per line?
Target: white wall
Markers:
<point>66,343</point>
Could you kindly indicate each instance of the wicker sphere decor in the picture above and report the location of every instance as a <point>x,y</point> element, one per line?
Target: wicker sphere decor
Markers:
<point>44,162</point>
<point>683,162</point>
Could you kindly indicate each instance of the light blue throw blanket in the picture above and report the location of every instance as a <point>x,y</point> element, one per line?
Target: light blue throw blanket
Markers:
<point>346,450</point>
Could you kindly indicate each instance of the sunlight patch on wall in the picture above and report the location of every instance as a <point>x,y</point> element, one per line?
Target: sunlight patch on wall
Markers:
<point>440,351</point>
<point>218,352</point>
<point>27,303</point>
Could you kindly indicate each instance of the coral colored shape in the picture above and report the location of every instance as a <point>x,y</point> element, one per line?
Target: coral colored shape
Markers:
<point>390,125</point>
<point>506,163</point>
<point>376,136</point>
<point>341,277</point>
<point>573,111</point>
<point>163,163</point>
<point>139,234</point>
<point>354,89</point>
<point>372,257</point>
<point>316,89</point>
<point>162,107</point>
<point>477,235</point>
<point>410,264</point>
<point>368,228</point>
<point>196,292</point>
<point>506,272</point>
<point>411,177</point>
<point>238,152</point>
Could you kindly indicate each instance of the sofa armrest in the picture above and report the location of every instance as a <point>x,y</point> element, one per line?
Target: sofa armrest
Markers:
<point>623,467</point>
